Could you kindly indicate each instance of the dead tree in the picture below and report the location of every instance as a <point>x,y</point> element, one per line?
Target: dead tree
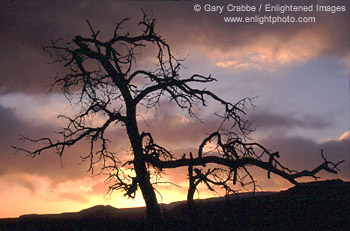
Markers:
<point>103,81</point>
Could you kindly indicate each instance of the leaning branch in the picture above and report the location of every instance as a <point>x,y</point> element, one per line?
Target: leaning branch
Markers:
<point>246,161</point>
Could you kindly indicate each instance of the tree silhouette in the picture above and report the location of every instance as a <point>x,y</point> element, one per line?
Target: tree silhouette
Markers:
<point>104,82</point>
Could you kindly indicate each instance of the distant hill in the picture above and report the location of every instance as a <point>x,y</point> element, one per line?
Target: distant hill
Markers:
<point>323,205</point>
<point>96,212</point>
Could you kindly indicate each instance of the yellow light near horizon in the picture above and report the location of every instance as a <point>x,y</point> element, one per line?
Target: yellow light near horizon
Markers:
<point>47,201</point>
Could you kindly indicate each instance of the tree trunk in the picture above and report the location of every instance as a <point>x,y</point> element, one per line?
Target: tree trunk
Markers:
<point>191,188</point>
<point>154,219</point>
<point>191,209</point>
<point>142,175</point>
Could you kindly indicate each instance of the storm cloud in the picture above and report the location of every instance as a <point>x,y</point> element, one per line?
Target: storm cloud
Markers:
<point>29,26</point>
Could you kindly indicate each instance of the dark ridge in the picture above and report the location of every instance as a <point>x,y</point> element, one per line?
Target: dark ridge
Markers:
<point>323,205</point>
<point>99,211</point>
<point>96,212</point>
<point>319,188</point>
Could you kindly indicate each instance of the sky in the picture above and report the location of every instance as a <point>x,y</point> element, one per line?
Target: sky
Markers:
<point>298,72</point>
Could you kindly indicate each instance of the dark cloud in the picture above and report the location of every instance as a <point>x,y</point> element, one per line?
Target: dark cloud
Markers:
<point>47,164</point>
<point>174,127</point>
<point>29,25</point>
<point>304,153</point>
<point>268,120</point>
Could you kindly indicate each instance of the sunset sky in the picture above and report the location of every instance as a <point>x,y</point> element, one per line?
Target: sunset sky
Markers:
<point>298,72</point>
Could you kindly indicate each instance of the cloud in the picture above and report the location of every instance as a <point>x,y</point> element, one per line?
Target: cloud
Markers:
<point>99,188</point>
<point>175,129</point>
<point>345,136</point>
<point>47,164</point>
<point>40,110</point>
<point>25,69</point>
<point>304,153</point>
<point>249,45</point>
<point>297,153</point>
<point>28,26</point>
<point>46,196</point>
<point>272,52</point>
<point>264,119</point>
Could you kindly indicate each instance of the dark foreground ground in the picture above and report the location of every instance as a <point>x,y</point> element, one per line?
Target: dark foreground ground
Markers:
<point>312,206</point>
